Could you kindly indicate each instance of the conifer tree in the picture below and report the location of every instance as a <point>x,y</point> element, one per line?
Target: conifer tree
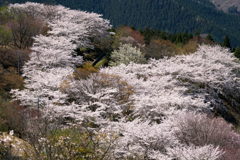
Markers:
<point>237,52</point>
<point>210,38</point>
<point>226,42</point>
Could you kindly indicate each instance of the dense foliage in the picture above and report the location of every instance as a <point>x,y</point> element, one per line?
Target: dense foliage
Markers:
<point>54,58</point>
<point>126,54</point>
<point>167,15</point>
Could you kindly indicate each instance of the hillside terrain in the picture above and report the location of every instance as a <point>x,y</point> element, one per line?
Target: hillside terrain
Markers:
<point>72,87</point>
<point>191,16</point>
<point>228,6</point>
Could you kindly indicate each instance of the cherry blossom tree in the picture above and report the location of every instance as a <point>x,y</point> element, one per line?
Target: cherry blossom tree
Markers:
<point>207,152</point>
<point>173,87</point>
<point>141,103</point>
<point>187,82</point>
<point>100,99</point>
<point>53,58</point>
<point>146,140</point>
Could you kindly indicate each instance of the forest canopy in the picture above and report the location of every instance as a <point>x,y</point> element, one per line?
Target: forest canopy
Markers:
<point>191,16</point>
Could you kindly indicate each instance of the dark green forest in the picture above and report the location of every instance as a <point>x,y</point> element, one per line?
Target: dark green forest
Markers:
<point>173,16</point>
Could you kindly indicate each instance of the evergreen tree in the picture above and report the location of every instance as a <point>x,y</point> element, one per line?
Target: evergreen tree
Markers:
<point>210,38</point>
<point>226,42</point>
<point>237,52</point>
<point>168,15</point>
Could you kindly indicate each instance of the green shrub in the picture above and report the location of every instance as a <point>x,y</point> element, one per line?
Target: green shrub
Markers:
<point>237,52</point>
<point>75,144</point>
<point>5,36</point>
<point>126,54</point>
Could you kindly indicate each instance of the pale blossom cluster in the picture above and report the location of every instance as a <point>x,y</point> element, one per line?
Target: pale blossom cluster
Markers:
<point>101,98</point>
<point>126,54</point>
<point>180,83</point>
<point>146,140</point>
<point>166,92</point>
<point>53,56</point>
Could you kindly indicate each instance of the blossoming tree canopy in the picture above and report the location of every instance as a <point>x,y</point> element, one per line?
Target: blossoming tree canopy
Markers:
<point>53,58</point>
<point>181,82</point>
<point>150,106</point>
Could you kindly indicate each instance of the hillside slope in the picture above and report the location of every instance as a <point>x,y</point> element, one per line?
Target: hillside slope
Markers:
<point>168,15</point>
<point>160,109</point>
<point>228,5</point>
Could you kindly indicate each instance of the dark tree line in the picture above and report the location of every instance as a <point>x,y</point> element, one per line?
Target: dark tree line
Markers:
<point>185,16</point>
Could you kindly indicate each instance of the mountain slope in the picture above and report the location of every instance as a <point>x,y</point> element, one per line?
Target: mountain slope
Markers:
<point>168,15</point>
<point>229,6</point>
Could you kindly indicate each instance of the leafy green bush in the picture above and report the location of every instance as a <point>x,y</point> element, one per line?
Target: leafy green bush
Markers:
<point>75,144</point>
<point>126,54</point>
<point>5,36</point>
<point>237,52</point>
<point>5,15</point>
